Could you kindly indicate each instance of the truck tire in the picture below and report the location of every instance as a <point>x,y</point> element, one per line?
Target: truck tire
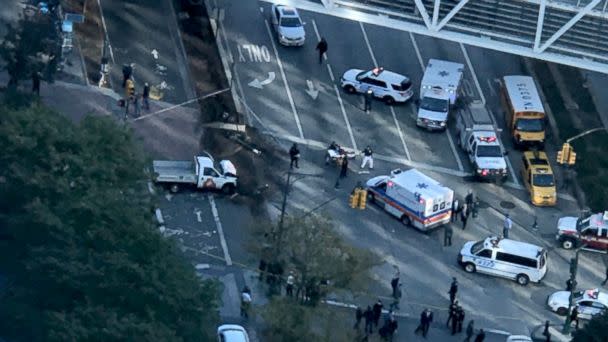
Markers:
<point>568,243</point>
<point>174,188</point>
<point>469,267</point>
<point>406,220</point>
<point>522,279</point>
<point>228,189</point>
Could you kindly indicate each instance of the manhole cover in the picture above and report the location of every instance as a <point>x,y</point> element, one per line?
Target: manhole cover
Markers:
<point>507,205</point>
<point>482,205</point>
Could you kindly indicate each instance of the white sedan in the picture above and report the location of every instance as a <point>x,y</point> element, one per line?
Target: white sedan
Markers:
<point>288,25</point>
<point>232,333</point>
<point>589,303</point>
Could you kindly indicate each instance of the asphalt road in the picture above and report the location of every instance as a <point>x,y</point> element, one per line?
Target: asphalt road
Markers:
<point>144,33</point>
<point>283,107</point>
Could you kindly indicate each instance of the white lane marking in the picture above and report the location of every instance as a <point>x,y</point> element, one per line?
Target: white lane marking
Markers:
<point>331,72</point>
<point>350,129</point>
<point>515,180</point>
<point>314,25</point>
<point>413,39</point>
<point>453,147</point>
<point>407,151</point>
<point>159,216</point>
<point>491,87</point>
<point>447,132</point>
<point>151,188</point>
<point>397,160</point>
<point>220,230</point>
<point>198,216</point>
<point>369,47</point>
<point>291,102</point>
<point>470,65</point>
<point>371,53</point>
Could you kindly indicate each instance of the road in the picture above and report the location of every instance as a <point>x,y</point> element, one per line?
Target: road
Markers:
<point>283,107</point>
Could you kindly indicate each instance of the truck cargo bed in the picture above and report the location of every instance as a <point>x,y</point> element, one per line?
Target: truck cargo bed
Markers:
<point>174,171</point>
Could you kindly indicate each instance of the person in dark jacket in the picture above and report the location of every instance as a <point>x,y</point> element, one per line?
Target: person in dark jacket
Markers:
<point>470,331</point>
<point>464,216</point>
<point>480,336</point>
<point>369,320</point>
<point>322,48</point>
<point>447,235</point>
<point>358,316</point>
<point>459,318</point>
<point>426,318</point>
<point>451,313</point>
<point>294,154</point>
<point>453,290</point>
<point>344,167</point>
<point>377,312</point>
<point>145,95</point>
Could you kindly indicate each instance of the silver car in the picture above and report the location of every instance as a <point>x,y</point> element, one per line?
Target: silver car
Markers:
<point>288,25</point>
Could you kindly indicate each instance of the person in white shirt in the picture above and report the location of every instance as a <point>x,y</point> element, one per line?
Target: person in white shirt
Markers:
<point>507,227</point>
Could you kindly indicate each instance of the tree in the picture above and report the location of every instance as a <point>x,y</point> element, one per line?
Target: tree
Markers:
<point>594,331</point>
<point>78,244</point>
<point>30,45</point>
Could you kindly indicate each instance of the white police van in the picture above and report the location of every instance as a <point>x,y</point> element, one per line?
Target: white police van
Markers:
<point>520,261</point>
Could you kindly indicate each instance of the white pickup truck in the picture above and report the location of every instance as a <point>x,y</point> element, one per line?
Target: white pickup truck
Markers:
<point>477,136</point>
<point>201,173</point>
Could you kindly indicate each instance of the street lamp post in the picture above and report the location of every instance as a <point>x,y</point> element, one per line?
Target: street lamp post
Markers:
<point>573,270</point>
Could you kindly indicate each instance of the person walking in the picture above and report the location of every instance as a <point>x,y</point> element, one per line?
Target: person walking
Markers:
<point>395,282</point>
<point>294,155</point>
<point>459,318</point>
<point>392,328</point>
<point>367,158</point>
<point>455,322</point>
<point>36,83</point>
<point>245,302</point>
<point>344,167</point>
<point>468,199</point>
<point>606,278</point>
<point>426,318</point>
<point>464,216</point>
<point>452,313</point>
<point>447,235</point>
<point>377,309</point>
<point>127,71</point>
<point>570,285</point>
<point>455,210</point>
<point>145,95</point>
<point>367,100</point>
<point>546,332</point>
<point>291,279</point>
<point>453,290</point>
<point>369,320</point>
<point>396,298</point>
<point>574,317</point>
<point>470,330</point>
<point>136,104</point>
<point>506,227</point>
<point>480,336</point>
<point>322,48</point>
<point>358,317</point>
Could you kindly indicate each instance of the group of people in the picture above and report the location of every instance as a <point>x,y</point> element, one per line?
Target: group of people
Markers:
<point>337,153</point>
<point>372,317</point>
<point>132,98</point>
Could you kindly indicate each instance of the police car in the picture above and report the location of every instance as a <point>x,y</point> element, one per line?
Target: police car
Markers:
<point>288,25</point>
<point>588,303</point>
<point>520,261</point>
<point>386,85</point>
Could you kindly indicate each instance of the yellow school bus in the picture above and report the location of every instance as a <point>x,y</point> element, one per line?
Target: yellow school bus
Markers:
<point>525,115</point>
<point>538,178</point>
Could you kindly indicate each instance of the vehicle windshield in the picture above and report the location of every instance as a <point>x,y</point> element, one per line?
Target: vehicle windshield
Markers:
<point>403,86</point>
<point>530,125</point>
<point>477,247</point>
<point>489,151</point>
<point>291,22</point>
<point>434,105</point>
<point>583,223</point>
<point>543,180</point>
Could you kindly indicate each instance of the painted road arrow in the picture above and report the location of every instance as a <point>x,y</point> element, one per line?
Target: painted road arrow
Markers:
<point>260,84</point>
<point>314,93</point>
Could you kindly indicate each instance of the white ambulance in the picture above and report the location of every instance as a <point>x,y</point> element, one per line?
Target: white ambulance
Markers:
<point>413,197</point>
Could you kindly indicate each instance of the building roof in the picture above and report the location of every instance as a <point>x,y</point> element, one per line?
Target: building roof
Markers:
<point>523,94</point>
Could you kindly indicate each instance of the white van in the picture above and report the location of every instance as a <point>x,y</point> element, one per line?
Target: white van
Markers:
<point>520,261</point>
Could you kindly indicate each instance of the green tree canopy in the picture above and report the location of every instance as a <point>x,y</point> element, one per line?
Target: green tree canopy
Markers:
<point>82,256</point>
<point>594,331</point>
<point>31,45</point>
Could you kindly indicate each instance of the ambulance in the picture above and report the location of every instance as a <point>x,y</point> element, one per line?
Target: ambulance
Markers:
<point>414,198</point>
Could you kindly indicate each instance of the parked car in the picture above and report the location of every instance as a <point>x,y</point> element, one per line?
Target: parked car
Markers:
<point>232,333</point>
<point>386,85</point>
<point>589,302</point>
<point>288,25</point>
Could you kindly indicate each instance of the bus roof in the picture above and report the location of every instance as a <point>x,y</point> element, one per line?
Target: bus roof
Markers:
<point>523,94</point>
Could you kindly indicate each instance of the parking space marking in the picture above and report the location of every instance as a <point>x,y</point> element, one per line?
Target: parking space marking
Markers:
<point>447,132</point>
<point>291,102</point>
<point>348,126</point>
<point>407,152</point>
<point>331,72</point>
<point>220,230</point>
<point>491,87</point>
<point>371,53</point>
<point>470,65</point>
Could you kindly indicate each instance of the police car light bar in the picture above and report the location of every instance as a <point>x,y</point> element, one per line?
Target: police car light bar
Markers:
<point>487,139</point>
